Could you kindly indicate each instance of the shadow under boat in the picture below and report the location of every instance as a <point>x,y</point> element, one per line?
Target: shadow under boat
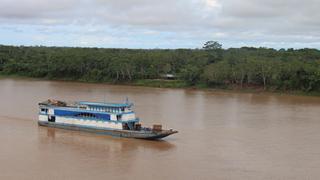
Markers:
<point>98,142</point>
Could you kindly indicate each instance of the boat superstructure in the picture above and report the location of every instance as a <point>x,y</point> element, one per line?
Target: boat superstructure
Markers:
<point>102,118</point>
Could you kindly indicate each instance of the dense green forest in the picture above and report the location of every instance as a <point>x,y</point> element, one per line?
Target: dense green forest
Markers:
<point>210,66</point>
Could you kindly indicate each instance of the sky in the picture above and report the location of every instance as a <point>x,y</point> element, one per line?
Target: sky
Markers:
<point>160,23</point>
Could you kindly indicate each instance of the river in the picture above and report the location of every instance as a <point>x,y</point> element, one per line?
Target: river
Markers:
<point>222,135</point>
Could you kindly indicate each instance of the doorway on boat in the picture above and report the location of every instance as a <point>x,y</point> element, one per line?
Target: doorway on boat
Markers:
<point>118,117</point>
<point>128,126</point>
<point>125,126</point>
<point>51,118</point>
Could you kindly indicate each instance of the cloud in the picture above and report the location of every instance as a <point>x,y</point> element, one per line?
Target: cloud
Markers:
<point>28,9</point>
<point>283,16</point>
<point>156,23</point>
<point>151,13</point>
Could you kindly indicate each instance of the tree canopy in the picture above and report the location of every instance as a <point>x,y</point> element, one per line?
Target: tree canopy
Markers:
<point>284,69</point>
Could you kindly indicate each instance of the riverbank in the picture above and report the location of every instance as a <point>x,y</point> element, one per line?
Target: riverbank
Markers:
<point>158,83</point>
<point>176,84</point>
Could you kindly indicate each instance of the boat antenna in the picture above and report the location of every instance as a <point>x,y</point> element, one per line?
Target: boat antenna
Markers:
<point>127,100</point>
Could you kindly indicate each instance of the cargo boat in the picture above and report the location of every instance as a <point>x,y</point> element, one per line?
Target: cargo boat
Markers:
<point>101,118</point>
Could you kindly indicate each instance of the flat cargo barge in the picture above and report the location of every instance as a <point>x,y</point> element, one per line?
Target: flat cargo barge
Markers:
<point>102,118</point>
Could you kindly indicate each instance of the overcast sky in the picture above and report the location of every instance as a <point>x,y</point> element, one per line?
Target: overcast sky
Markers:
<point>160,23</point>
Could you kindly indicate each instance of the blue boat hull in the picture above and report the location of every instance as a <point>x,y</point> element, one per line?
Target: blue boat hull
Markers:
<point>151,135</point>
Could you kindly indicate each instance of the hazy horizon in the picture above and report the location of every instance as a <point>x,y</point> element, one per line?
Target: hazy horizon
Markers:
<point>174,48</point>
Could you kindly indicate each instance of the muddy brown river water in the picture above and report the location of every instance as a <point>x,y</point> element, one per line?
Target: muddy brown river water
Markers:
<point>222,135</point>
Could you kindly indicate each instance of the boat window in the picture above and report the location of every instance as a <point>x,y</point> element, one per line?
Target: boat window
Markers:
<point>44,110</point>
<point>89,115</point>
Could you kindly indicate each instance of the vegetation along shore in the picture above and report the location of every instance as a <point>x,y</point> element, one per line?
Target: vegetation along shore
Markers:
<point>283,70</point>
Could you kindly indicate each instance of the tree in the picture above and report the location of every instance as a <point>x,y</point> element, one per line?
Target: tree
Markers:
<point>266,70</point>
<point>190,74</point>
<point>214,51</point>
<point>212,45</point>
<point>217,73</point>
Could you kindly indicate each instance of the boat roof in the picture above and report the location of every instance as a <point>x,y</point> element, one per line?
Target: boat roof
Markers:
<point>101,104</point>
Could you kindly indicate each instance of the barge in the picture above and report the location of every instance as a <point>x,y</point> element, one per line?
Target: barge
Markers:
<point>101,118</point>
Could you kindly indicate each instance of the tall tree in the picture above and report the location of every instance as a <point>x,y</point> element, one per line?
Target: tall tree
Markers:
<point>214,51</point>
